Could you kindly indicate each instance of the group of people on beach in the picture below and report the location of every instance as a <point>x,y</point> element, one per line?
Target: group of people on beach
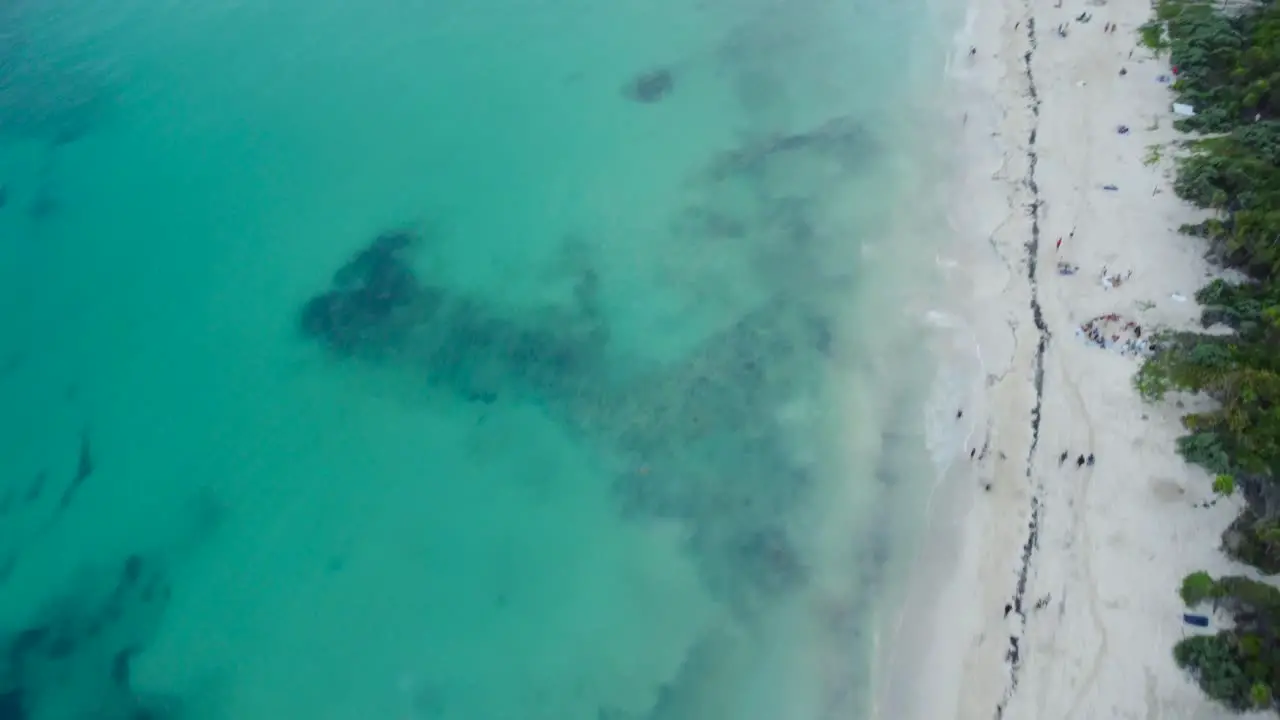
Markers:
<point>1127,338</point>
<point>1112,281</point>
<point>1083,17</point>
<point>1108,331</point>
<point>1081,460</point>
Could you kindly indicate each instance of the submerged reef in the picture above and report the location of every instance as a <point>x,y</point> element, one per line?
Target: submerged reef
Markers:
<point>370,294</point>
<point>719,439</point>
<point>706,425</point>
<point>71,655</point>
<point>651,86</point>
<point>73,659</point>
<point>697,440</point>
<point>843,141</point>
<point>378,307</point>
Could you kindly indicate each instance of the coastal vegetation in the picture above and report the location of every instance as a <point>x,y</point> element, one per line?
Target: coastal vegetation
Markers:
<point>1227,61</point>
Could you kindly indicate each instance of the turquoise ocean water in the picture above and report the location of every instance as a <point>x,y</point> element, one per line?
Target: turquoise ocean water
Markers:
<point>419,359</point>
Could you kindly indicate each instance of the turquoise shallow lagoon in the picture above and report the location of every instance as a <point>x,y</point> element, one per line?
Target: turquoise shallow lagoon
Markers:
<point>440,360</point>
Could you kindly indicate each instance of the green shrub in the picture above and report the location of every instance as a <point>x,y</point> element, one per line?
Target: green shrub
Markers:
<point>1217,667</point>
<point>1151,35</point>
<point>1229,71</point>
<point>1255,541</point>
<point>1261,695</point>
<point>1197,587</point>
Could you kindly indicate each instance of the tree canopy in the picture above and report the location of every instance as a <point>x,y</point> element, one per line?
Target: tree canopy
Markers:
<point>1228,70</point>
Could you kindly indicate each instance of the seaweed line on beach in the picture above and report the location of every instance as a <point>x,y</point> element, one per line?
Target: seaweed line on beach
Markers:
<point>1014,655</point>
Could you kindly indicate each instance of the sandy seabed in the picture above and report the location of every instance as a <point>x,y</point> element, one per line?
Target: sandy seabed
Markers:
<point>1048,588</point>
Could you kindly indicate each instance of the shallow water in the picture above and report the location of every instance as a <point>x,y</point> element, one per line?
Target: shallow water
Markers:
<point>632,445</point>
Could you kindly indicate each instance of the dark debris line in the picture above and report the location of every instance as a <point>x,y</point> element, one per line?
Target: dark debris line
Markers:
<point>1014,653</point>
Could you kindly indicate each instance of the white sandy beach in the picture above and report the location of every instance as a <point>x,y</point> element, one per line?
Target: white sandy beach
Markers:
<point>1052,593</point>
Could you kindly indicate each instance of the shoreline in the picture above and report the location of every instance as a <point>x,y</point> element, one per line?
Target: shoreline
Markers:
<point>1052,594</point>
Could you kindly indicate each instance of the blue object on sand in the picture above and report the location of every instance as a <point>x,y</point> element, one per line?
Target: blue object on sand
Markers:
<point>1197,620</point>
<point>1110,187</point>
